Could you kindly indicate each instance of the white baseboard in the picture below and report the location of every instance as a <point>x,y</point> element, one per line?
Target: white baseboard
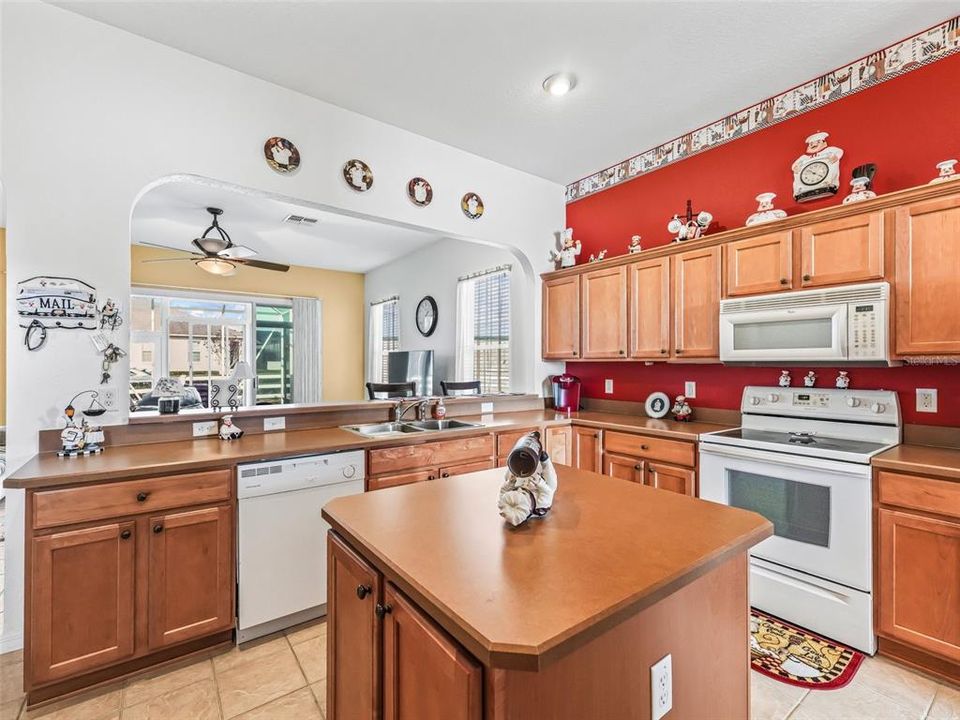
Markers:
<point>11,642</point>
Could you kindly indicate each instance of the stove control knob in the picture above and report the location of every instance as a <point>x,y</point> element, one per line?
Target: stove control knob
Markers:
<point>853,402</point>
<point>754,400</point>
<point>773,397</point>
<point>878,408</point>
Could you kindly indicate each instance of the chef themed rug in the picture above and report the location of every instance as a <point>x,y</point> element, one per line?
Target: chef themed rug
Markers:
<point>794,656</point>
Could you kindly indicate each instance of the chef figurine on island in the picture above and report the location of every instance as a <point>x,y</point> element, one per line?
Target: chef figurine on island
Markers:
<point>570,248</point>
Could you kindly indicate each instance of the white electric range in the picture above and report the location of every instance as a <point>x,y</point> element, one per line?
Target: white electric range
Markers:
<point>802,459</point>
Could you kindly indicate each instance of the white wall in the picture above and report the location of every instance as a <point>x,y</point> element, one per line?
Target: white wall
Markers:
<point>433,270</point>
<point>92,115</point>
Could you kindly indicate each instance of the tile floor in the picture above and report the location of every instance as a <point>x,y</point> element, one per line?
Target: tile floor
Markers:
<point>283,677</point>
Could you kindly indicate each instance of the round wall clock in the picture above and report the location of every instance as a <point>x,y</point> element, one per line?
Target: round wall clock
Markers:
<point>358,175</point>
<point>427,316</point>
<point>657,405</point>
<point>281,154</point>
<point>419,192</point>
<point>472,205</point>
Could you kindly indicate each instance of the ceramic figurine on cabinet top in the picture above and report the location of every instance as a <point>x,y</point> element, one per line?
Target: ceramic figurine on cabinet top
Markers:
<point>691,228</point>
<point>946,172</point>
<point>843,380</point>
<point>785,378</point>
<point>810,379</point>
<point>566,256</point>
<point>765,210</point>
<point>229,431</point>
<point>599,256</point>
<point>681,409</point>
<point>859,191</point>
<point>634,246</point>
<point>816,173</point>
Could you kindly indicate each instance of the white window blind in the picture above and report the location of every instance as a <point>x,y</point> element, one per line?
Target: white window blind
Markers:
<point>483,329</point>
<point>384,333</point>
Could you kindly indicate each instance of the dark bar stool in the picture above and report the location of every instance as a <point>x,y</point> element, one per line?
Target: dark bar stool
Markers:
<point>380,391</point>
<point>464,387</point>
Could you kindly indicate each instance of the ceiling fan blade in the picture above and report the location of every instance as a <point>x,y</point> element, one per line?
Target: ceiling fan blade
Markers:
<point>179,259</point>
<point>163,247</point>
<point>237,252</point>
<point>263,265</point>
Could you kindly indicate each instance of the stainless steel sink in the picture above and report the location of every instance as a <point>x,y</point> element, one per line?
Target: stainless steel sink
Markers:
<point>377,429</point>
<point>442,424</point>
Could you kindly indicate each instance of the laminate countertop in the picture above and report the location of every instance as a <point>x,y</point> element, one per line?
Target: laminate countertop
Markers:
<point>921,459</point>
<point>131,461</point>
<point>522,597</point>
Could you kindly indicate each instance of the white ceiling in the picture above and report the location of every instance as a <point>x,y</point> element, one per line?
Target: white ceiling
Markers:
<point>173,214</point>
<point>469,74</point>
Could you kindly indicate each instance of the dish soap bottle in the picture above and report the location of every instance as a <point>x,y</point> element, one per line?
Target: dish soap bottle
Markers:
<point>439,410</point>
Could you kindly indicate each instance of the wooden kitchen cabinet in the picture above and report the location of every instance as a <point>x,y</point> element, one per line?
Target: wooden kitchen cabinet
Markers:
<point>603,303</point>
<point>658,462</point>
<point>586,448</point>
<point>420,461</point>
<point>506,441</point>
<point>762,264</point>
<point>560,334</point>
<point>847,250</point>
<point>670,477</point>
<point>464,468</point>
<point>558,442</point>
<point>190,584</point>
<point>414,648</point>
<point>81,608</point>
<point>649,309</point>
<point>696,303</point>
<point>624,467</point>
<point>927,271</point>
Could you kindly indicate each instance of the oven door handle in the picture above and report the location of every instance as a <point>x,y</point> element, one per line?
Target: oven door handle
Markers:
<point>800,461</point>
<point>799,584</point>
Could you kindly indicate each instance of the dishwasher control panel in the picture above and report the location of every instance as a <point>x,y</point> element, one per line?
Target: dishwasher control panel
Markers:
<point>273,476</point>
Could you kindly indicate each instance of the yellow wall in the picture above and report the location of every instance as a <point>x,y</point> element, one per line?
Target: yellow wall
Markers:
<point>341,293</point>
<point>3,327</point>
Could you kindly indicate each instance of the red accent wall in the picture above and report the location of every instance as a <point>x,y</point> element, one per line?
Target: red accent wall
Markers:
<point>905,126</point>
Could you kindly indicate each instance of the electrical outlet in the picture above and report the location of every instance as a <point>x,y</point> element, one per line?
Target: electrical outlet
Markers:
<point>108,398</point>
<point>486,408</point>
<point>274,423</point>
<point>927,400</point>
<point>202,429</point>
<point>690,389</point>
<point>608,386</point>
<point>661,688</point>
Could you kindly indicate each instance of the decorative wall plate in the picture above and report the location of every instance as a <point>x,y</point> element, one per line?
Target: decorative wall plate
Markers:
<point>657,405</point>
<point>472,205</point>
<point>419,192</point>
<point>358,175</point>
<point>281,154</point>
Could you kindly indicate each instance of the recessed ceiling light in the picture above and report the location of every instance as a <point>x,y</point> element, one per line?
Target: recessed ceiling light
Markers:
<point>560,83</point>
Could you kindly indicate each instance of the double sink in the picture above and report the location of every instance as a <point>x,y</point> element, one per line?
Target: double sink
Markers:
<point>412,426</point>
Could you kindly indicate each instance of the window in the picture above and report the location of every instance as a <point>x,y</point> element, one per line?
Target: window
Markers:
<point>483,329</point>
<point>274,354</point>
<point>384,336</point>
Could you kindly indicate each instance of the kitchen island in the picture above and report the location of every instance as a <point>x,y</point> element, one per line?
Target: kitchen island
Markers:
<point>438,609</point>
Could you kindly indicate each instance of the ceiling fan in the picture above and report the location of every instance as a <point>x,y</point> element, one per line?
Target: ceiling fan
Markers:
<point>217,254</point>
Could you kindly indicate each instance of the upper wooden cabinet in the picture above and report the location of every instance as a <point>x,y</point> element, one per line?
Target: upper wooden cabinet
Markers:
<point>928,277</point>
<point>696,303</point>
<point>847,250</point>
<point>561,318</point>
<point>649,309</point>
<point>603,301</point>
<point>762,264</point>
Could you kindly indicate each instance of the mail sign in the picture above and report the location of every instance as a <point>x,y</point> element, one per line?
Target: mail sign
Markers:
<point>57,302</point>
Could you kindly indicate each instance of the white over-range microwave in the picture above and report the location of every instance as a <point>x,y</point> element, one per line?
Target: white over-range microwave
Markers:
<point>834,325</point>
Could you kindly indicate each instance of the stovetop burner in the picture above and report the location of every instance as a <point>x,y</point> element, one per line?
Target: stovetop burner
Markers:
<point>802,438</point>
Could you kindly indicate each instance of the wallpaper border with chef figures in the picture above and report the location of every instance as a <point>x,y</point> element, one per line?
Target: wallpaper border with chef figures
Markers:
<point>921,49</point>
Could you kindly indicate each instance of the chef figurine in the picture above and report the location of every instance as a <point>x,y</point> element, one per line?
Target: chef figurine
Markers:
<point>634,246</point>
<point>229,431</point>
<point>859,190</point>
<point>599,256</point>
<point>810,379</point>
<point>843,380</point>
<point>567,255</point>
<point>681,409</point>
<point>785,379</point>
<point>818,151</point>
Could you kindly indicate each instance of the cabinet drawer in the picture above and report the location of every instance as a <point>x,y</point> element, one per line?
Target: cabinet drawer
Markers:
<point>677,452</point>
<point>109,500</point>
<point>385,481</point>
<point>919,493</point>
<point>464,468</point>
<point>433,454</point>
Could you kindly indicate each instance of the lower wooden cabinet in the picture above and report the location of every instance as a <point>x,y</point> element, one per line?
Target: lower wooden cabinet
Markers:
<point>407,464</point>
<point>670,477</point>
<point>623,467</point>
<point>586,448</point>
<point>558,442</point>
<point>385,657</point>
<point>639,458</point>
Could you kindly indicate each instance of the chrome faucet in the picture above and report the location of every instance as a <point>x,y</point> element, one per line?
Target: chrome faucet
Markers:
<point>400,408</point>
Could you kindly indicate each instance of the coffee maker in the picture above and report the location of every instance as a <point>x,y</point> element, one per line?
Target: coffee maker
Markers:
<point>566,392</point>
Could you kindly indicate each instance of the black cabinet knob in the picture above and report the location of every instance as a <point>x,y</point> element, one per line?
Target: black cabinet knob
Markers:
<point>444,474</point>
<point>663,352</point>
<point>142,496</point>
<point>644,447</point>
<point>125,535</point>
<point>430,477</point>
<point>363,591</point>
<point>638,467</point>
<point>623,352</point>
<point>783,281</point>
<point>679,351</point>
<point>806,277</point>
<point>158,528</point>
<point>382,610</point>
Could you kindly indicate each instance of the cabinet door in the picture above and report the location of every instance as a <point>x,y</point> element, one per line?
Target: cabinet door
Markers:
<point>586,449</point>
<point>406,478</point>
<point>919,573</point>
<point>559,445</point>
<point>623,467</point>
<point>672,478</point>
<point>649,299</point>
<point>353,635</point>
<point>464,468</point>
<point>842,251</point>
<point>604,307</point>
<point>761,264</point>
<point>561,318</point>
<point>927,268</point>
<point>190,586</point>
<point>696,308</point>
<point>426,675</point>
<point>82,599</point>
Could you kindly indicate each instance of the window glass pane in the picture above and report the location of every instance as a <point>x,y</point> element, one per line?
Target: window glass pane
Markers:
<point>810,333</point>
<point>274,354</point>
<point>391,334</point>
<point>799,511</point>
<point>210,310</point>
<point>492,331</point>
<point>144,313</point>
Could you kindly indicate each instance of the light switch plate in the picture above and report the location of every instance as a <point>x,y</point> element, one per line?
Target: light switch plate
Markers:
<point>690,389</point>
<point>608,386</point>
<point>927,400</point>
<point>661,688</point>
<point>486,407</point>
<point>274,423</point>
<point>202,429</point>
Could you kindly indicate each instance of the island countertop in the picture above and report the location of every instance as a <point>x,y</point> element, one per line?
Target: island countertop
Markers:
<point>520,598</point>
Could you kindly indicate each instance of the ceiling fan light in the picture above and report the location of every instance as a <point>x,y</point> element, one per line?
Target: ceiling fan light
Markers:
<point>216,266</point>
<point>212,244</point>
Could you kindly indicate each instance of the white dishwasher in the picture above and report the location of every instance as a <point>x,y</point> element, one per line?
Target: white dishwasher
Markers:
<point>282,554</point>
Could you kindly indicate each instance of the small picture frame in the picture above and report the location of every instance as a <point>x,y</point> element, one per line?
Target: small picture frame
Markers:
<point>657,405</point>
